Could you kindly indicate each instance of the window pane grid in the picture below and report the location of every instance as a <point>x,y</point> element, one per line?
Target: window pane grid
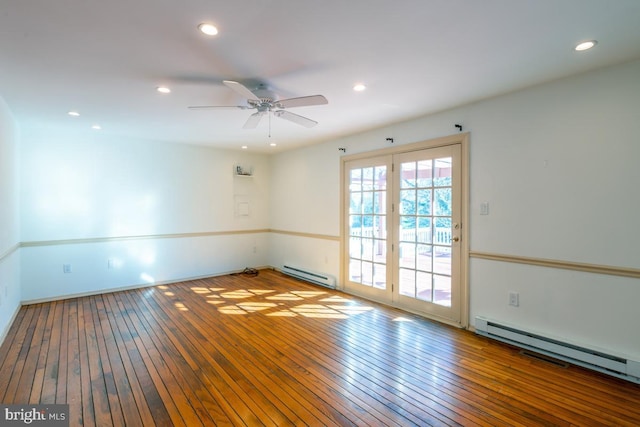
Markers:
<point>367,226</point>
<point>425,229</point>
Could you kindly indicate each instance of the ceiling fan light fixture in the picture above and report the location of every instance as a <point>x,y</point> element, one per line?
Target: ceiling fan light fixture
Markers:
<point>586,45</point>
<point>208,29</point>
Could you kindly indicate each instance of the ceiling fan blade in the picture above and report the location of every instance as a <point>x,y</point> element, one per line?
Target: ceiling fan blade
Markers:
<point>296,118</point>
<point>217,107</point>
<point>303,101</point>
<point>253,120</point>
<point>241,89</point>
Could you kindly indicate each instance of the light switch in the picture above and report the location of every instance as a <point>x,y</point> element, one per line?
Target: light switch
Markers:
<point>484,208</point>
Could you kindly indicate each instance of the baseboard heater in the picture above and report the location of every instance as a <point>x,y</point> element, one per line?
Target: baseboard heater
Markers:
<point>310,276</point>
<point>588,358</point>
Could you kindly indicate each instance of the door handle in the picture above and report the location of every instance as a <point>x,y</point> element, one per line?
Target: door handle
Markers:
<point>455,239</point>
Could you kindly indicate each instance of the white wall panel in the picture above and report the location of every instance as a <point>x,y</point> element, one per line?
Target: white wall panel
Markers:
<point>100,266</point>
<point>78,190</point>
<point>9,220</point>
<point>303,190</point>
<point>109,187</point>
<point>313,254</point>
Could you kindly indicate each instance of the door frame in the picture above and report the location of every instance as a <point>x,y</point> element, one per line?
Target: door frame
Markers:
<point>463,140</point>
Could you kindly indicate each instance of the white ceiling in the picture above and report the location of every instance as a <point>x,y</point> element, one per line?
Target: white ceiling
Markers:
<point>104,58</point>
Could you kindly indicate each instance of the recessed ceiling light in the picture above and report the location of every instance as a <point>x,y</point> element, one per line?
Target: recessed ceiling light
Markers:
<point>96,127</point>
<point>273,144</point>
<point>244,147</point>
<point>585,45</point>
<point>359,87</point>
<point>163,89</point>
<point>73,113</point>
<point>208,29</point>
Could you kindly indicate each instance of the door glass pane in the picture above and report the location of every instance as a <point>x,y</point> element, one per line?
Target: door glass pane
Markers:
<point>424,172</point>
<point>442,292</point>
<point>380,178</point>
<point>442,205</point>
<point>442,259</point>
<point>367,249</point>
<point>355,248</point>
<point>367,273</point>
<point>355,185</point>
<point>425,254</point>
<point>355,207</point>
<point>380,226</point>
<point>367,179</point>
<point>423,286</point>
<point>379,276</point>
<point>424,230</point>
<point>424,202</point>
<point>408,255</point>
<point>355,270</point>
<point>407,285</point>
<point>442,231</point>
<point>367,202</point>
<point>442,172</point>
<point>379,202</point>
<point>407,202</point>
<point>407,229</point>
<point>408,175</point>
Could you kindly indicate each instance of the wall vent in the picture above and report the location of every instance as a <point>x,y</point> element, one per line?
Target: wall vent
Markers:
<point>310,276</point>
<point>585,357</point>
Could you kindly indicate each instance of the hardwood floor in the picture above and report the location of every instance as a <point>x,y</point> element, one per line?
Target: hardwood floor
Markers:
<point>269,350</point>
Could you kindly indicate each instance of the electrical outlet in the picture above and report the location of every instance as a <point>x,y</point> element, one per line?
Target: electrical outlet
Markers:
<point>514,299</point>
<point>66,268</point>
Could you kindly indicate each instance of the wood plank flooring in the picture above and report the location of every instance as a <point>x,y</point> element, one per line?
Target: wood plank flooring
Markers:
<point>270,350</point>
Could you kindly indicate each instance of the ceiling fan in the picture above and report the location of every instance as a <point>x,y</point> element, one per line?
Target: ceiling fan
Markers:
<point>264,101</point>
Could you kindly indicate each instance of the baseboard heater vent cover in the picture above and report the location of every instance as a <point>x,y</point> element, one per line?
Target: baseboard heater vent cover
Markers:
<point>310,276</point>
<point>612,365</point>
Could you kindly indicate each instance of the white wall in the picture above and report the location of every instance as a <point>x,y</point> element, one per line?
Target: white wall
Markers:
<point>10,295</point>
<point>161,212</point>
<point>557,164</point>
<point>304,184</point>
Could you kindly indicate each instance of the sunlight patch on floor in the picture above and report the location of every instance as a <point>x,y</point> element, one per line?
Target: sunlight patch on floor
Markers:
<point>232,309</point>
<point>239,294</point>
<point>289,296</point>
<point>261,291</point>
<point>255,306</point>
<point>326,307</point>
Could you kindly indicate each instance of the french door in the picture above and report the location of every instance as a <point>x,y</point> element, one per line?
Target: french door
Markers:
<point>403,230</point>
